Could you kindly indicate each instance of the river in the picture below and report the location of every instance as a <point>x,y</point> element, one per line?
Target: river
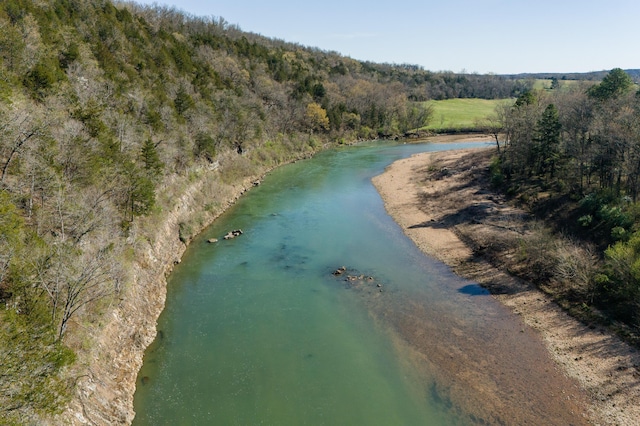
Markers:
<point>260,330</point>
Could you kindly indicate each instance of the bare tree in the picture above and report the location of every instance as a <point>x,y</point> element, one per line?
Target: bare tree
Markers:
<point>74,279</point>
<point>19,126</point>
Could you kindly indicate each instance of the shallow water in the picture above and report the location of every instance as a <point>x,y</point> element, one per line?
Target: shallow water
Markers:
<point>257,330</point>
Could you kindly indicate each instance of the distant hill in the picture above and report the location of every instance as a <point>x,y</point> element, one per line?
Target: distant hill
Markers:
<point>588,76</point>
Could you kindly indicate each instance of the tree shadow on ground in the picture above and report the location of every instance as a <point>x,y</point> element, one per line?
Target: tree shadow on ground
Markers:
<point>476,213</point>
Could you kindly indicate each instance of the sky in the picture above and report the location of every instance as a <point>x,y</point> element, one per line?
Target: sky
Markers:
<point>481,36</point>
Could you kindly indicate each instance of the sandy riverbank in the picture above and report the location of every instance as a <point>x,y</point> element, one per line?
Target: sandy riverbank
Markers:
<point>433,196</point>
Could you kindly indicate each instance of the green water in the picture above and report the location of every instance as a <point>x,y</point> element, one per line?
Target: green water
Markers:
<point>257,330</point>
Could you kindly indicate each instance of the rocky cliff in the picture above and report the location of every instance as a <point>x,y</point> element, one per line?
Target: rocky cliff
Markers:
<point>106,378</point>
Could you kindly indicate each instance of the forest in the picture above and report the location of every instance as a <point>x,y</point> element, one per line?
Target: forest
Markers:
<point>108,108</point>
<point>572,157</point>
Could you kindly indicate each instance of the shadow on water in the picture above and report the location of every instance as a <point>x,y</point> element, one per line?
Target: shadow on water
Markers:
<point>473,290</point>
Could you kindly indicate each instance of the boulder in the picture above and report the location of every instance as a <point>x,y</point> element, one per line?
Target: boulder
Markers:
<point>232,234</point>
<point>341,270</point>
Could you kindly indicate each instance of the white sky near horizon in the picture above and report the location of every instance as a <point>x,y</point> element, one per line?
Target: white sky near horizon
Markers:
<point>483,36</point>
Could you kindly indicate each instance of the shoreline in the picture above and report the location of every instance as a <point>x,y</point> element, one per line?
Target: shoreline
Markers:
<point>106,378</point>
<point>105,388</point>
<point>599,362</point>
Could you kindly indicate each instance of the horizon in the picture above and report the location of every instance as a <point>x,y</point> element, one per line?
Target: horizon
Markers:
<point>527,38</point>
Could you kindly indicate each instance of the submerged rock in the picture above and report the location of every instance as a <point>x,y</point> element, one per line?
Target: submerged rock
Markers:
<point>341,270</point>
<point>354,280</point>
<point>232,234</point>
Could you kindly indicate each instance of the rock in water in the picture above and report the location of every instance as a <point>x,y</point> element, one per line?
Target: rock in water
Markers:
<point>341,270</point>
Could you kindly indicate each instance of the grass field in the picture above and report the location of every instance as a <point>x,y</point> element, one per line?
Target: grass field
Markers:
<point>541,84</point>
<point>460,114</point>
<point>545,84</point>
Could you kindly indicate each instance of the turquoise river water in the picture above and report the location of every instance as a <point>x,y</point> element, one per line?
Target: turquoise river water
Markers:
<point>257,330</point>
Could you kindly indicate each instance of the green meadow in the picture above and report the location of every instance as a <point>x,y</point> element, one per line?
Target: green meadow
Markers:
<point>542,84</point>
<point>461,114</point>
<point>545,84</point>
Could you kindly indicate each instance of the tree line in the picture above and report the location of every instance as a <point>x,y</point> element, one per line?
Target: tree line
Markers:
<point>423,85</point>
<point>575,154</point>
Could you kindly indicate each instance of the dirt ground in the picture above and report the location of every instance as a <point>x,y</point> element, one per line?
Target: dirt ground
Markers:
<point>437,199</point>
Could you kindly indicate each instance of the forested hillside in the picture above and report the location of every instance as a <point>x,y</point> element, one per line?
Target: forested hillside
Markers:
<point>573,157</point>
